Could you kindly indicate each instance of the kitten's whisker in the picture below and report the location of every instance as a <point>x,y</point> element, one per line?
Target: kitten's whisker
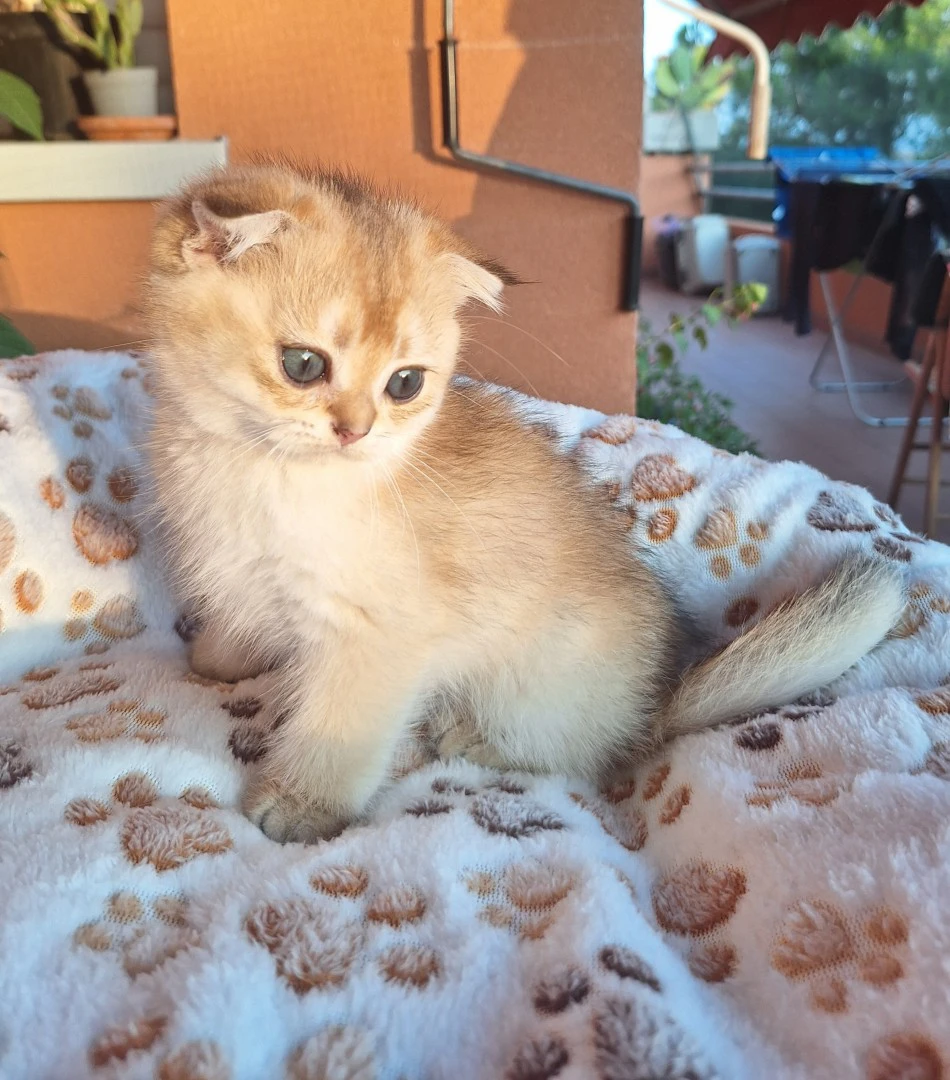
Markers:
<point>527,333</point>
<point>394,487</point>
<point>514,367</point>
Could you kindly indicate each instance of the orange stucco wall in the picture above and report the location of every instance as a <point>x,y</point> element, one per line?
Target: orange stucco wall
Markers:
<point>549,82</point>
<point>666,187</point>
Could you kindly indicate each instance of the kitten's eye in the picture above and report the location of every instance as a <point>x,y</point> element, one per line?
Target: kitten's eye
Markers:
<point>304,366</point>
<point>405,384</point>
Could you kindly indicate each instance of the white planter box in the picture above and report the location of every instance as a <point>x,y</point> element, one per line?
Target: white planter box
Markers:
<point>665,132</point>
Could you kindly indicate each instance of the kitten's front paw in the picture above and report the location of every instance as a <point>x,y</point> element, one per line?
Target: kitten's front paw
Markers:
<point>286,818</point>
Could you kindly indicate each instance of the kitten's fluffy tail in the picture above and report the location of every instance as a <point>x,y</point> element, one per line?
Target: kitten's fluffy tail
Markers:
<point>801,645</point>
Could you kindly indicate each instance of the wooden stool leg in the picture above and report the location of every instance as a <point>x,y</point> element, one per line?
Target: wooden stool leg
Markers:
<point>917,407</point>
<point>932,497</point>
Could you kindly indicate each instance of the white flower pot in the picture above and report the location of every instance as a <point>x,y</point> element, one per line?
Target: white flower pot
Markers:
<point>124,91</point>
<point>665,132</point>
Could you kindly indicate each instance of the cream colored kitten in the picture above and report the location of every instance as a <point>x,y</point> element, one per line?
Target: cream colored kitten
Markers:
<point>399,542</point>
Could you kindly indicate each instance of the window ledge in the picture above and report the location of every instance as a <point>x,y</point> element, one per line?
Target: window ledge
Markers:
<point>102,171</point>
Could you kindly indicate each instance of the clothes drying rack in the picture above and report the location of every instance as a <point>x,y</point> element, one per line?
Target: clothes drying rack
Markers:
<point>849,383</point>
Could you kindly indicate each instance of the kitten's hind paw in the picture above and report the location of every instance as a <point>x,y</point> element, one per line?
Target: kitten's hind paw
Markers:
<point>469,745</point>
<point>286,818</point>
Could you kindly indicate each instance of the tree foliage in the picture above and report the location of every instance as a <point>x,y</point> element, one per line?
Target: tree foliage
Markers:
<point>883,83</point>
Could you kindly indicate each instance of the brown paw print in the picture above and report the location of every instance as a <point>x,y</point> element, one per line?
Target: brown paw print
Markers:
<point>65,689</point>
<point>615,430</point>
<point>631,1040</point>
<point>14,766</point>
<point>697,897</point>
<point>937,702</point>
<point>156,835</point>
<point>102,536</point>
<point>904,1056</point>
<point>657,477</point>
<point>143,934</point>
<point>52,493</point>
<point>819,943</point>
<point>410,965</point>
<point>87,402</point>
<point>7,541</point>
<point>120,720</point>
<point>523,897</point>
<point>118,619</point>
<point>80,474</point>
<point>200,1060</point>
<point>921,604</point>
<point>675,803</point>
<point>741,611</point>
<point>626,964</point>
<point>624,821</point>
<point>336,1052</point>
<point>936,763</point>
<point>313,947</point>
<point>398,906</point>
<point>122,484</point>
<point>837,511</point>
<point>118,1044</point>
<point>802,782</point>
<point>558,992</point>
<point>892,548</point>
<point>540,1059</point>
<point>713,961</point>
<point>662,525</point>
<point>757,735</point>
<point>512,816</point>
<point>346,882</point>
<point>655,781</point>
<point>166,837</point>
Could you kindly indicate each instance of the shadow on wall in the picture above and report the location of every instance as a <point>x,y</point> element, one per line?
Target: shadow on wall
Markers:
<point>559,61</point>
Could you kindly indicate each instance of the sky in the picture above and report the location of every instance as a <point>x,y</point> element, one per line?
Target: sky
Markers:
<point>660,24</point>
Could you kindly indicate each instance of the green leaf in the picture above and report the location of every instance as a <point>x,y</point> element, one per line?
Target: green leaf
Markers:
<point>666,84</point>
<point>681,65</point>
<point>20,104</point>
<point>664,354</point>
<point>712,313</point>
<point>12,342</point>
<point>699,335</point>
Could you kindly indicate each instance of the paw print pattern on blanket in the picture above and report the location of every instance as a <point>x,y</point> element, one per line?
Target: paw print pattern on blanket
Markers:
<point>524,897</point>
<point>819,943</point>
<point>163,836</point>
<point>626,1035</point>
<point>626,932</point>
<point>316,942</point>
<point>144,935</point>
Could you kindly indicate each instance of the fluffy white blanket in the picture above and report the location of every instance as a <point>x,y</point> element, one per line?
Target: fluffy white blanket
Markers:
<point>770,899</point>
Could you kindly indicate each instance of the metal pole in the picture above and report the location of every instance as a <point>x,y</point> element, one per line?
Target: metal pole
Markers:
<point>450,132</point>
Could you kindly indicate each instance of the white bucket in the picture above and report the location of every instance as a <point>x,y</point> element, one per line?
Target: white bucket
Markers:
<point>124,91</point>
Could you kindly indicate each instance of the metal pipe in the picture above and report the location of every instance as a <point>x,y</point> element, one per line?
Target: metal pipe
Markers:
<point>761,102</point>
<point>450,132</point>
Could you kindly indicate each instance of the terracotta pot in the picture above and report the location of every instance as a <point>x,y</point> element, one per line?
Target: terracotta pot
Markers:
<point>124,91</point>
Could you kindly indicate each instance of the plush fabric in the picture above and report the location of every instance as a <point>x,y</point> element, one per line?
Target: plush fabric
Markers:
<point>768,899</point>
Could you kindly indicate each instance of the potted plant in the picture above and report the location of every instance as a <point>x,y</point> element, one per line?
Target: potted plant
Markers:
<point>124,96</point>
<point>31,49</point>
<point>681,117</point>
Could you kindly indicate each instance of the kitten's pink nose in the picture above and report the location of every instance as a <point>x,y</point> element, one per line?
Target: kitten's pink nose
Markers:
<point>347,436</point>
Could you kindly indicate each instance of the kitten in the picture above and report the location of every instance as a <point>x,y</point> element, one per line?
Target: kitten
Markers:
<point>398,541</point>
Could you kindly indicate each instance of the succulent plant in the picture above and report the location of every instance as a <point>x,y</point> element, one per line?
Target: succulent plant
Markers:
<point>113,37</point>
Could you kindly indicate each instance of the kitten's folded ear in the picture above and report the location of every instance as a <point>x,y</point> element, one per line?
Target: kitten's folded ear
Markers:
<point>480,278</point>
<point>225,239</point>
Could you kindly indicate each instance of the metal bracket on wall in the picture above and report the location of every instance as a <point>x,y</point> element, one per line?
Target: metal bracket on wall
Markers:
<point>450,128</point>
